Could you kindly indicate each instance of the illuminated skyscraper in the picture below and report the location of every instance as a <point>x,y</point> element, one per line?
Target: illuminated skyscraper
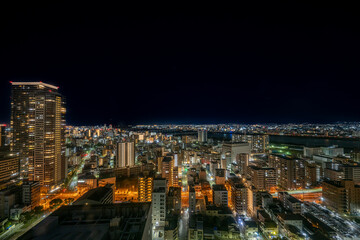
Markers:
<point>125,154</point>
<point>37,131</point>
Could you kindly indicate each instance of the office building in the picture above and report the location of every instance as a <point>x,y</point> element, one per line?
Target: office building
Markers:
<point>125,154</point>
<point>167,173</point>
<point>312,173</point>
<point>37,131</point>
<point>258,143</point>
<point>311,151</point>
<point>262,178</point>
<point>232,149</point>
<point>9,167</point>
<point>173,200</point>
<point>290,171</point>
<point>175,177</point>
<point>172,227</point>
<point>8,198</point>
<point>341,196</point>
<point>202,135</point>
<point>238,195</point>
<point>290,203</point>
<point>332,151</point>
<point>242,161</point>
<point>192,201</point>
<point>220,195</point>
<point>220,176</point>
<point>31,194</point>
<point>158,208</point>
<point>352,172</point>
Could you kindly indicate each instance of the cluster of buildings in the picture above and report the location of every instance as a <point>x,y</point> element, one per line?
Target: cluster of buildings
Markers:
<point>32,147</point>
<point>336,130</point>
<point>170,181</point>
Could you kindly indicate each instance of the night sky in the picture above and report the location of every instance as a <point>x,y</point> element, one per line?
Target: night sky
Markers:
<point>274,63</point>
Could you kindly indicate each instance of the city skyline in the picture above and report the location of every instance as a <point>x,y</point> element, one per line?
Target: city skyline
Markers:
<point>173,125</point>
<point>243,67</point>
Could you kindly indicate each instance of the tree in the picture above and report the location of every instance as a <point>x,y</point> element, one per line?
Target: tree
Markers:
<point>69,200</point>
<point>38,209</point>
<point>26,216</point>
<point>55,202</point>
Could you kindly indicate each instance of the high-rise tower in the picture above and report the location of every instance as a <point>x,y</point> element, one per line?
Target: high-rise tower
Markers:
<point>37,131</point>
<point>125,154</point>
<point>202,135</point>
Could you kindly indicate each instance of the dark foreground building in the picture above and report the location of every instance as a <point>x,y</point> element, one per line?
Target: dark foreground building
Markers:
<point>103,222</point>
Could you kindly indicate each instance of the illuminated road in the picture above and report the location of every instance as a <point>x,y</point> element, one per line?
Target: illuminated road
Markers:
<point>74,178</point>
<point>18,231</point>
<point>302,191</point>
<point>184,188</point>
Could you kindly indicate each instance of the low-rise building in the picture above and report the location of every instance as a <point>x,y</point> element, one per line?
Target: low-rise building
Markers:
<point>220,195</point>
<point>100,195</point>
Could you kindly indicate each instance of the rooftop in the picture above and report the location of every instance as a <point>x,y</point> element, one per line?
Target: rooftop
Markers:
<point>34,83</point>
<point>96,194</point>
<point>109,221</point>
<point>219,187</point>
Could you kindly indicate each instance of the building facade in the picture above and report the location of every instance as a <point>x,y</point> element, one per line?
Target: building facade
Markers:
<point>37,131</point>
<point>202,135</point>
<point>31,194</point>
<point>158,209</point>
<point>125,154</point>
<point>145,188</point>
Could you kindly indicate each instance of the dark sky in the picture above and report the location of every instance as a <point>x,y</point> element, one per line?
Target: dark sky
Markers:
<point>258,64</point>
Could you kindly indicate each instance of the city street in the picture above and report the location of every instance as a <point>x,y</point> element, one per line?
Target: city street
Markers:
<point>21,229</point>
